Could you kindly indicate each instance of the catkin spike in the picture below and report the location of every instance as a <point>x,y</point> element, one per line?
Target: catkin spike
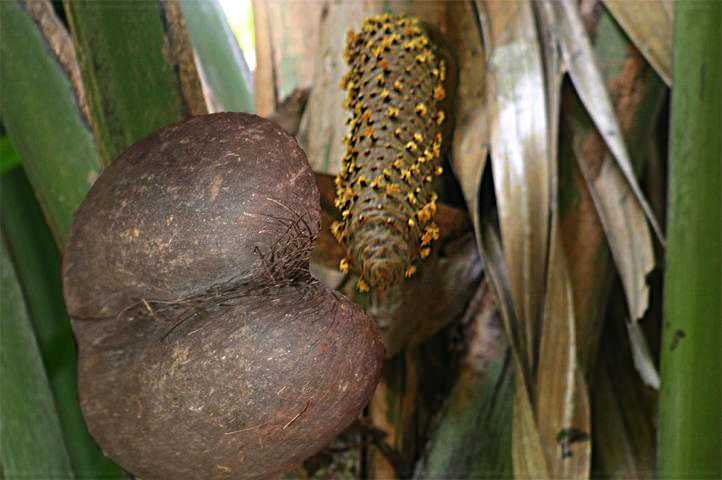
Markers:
<point>395,86</point>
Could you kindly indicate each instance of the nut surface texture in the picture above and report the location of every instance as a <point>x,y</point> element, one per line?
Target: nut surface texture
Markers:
<point>206,349</point>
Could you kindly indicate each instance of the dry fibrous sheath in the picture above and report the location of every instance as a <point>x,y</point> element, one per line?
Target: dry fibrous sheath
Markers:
<point>206,349</point>
<point>385,191</point>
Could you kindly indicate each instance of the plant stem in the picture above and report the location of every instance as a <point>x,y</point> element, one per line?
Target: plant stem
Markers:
<point>691,399</point>
<point>222,61</point>
<point>136,69</point>
<point>43,115</point>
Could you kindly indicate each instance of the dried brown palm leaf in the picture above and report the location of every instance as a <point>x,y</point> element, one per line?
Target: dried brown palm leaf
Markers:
<point>287,39</point>
<point>528,457</point>
<point>524,105</point>
<point>623,431</point>
<point>621,220</point>
<point>624,408</point>
<point>618,201</point>
<point>563,405</point>
<point>563,409</point>
<point>470,143</point>
<point>519,153</point>
<point>264,85</point>
<point>649,25</point>
<point>473,436</point>
<point>585,74</point>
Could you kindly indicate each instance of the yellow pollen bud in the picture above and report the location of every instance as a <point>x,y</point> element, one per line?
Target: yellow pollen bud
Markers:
<point>337,230</point>
<point>392,188</point>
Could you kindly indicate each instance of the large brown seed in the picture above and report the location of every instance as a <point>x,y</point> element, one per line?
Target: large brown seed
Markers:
<point>206,349</point>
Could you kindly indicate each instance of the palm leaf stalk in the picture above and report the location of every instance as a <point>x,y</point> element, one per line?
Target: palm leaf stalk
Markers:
<point>691,397</point>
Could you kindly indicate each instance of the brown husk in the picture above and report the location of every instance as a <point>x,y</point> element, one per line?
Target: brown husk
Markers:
<point>206,348</point>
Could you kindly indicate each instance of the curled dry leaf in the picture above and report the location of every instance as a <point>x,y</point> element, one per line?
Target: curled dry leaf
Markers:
<point>524,123</point>
<point>470,143</point>
<point>286,43</point>
<point>517,115</point>
<point>563,408</point>
<point>519,154</point>
<point>636,94</point>
<point>650,27</point>
<point>527,452</point>
<point>632,253</point>
<point>563,399</point>
<point>587,78</point>
<point>553,72</point>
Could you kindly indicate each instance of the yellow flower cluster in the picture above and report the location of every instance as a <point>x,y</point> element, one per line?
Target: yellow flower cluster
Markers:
<point>395,86</point>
